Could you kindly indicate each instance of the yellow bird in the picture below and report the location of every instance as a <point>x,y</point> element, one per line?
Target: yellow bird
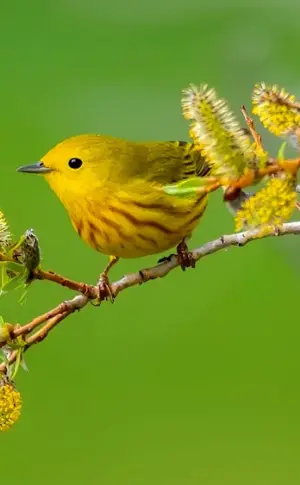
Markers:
<point>112,190</point>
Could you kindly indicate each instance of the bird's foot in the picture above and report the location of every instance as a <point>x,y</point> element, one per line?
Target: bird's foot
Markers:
<point>105,289</point>
<point>184,256</point>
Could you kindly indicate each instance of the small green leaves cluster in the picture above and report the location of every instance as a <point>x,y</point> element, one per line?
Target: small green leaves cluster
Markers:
<point>17,262</point>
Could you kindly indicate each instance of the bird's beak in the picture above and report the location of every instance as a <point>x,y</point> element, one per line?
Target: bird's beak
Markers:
<point>38,167</point>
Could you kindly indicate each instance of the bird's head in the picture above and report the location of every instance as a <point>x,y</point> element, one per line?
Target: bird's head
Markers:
<point>76,164</point>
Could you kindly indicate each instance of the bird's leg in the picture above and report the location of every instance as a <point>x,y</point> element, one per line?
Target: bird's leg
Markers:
<point>103,283</point>
<point>184,256</point>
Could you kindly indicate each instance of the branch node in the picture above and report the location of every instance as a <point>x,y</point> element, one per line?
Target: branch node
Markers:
<point>143,277</point>
<point>277,231</point>
<point>241,239</point>
<point>65,307</point>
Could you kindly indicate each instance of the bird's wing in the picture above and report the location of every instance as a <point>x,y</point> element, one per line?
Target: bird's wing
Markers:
<point>163,162</point>
<point>170,162</point>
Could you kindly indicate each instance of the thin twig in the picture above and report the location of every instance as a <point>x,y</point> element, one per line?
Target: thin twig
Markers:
<point>251,175</point>
<point>41,334</point>
<point>52,319</point>
<point>250,123</point>
<point>22,330</point>
<point>86,290</point>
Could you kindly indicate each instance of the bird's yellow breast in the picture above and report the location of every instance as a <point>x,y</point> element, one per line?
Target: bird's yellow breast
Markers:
<point>134,223</point>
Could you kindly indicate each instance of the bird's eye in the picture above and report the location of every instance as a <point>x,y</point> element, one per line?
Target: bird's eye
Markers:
<point>75,163</point>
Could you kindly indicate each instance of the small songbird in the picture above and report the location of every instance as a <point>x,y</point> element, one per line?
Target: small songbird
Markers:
<point>112,190</point>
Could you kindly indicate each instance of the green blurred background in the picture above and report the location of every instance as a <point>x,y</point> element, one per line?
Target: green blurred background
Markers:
<point>193,379</point>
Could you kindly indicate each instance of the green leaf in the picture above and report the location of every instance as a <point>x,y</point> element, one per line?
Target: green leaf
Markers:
<point>9,271</point>
<point>23,296</point>
<point>187,187</point>
<point>14,267</point>
<point>13,276</point>
<point>17,363</point>
<point>4,278</point>
<point>3,357</point>
<point>281,150</point>
<point>23,364</point>
<point>15,283</point>
<point>15,246</point>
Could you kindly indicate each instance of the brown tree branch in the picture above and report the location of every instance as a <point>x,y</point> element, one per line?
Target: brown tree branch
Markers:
<point>87,290</point>
<point>51,319</point>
